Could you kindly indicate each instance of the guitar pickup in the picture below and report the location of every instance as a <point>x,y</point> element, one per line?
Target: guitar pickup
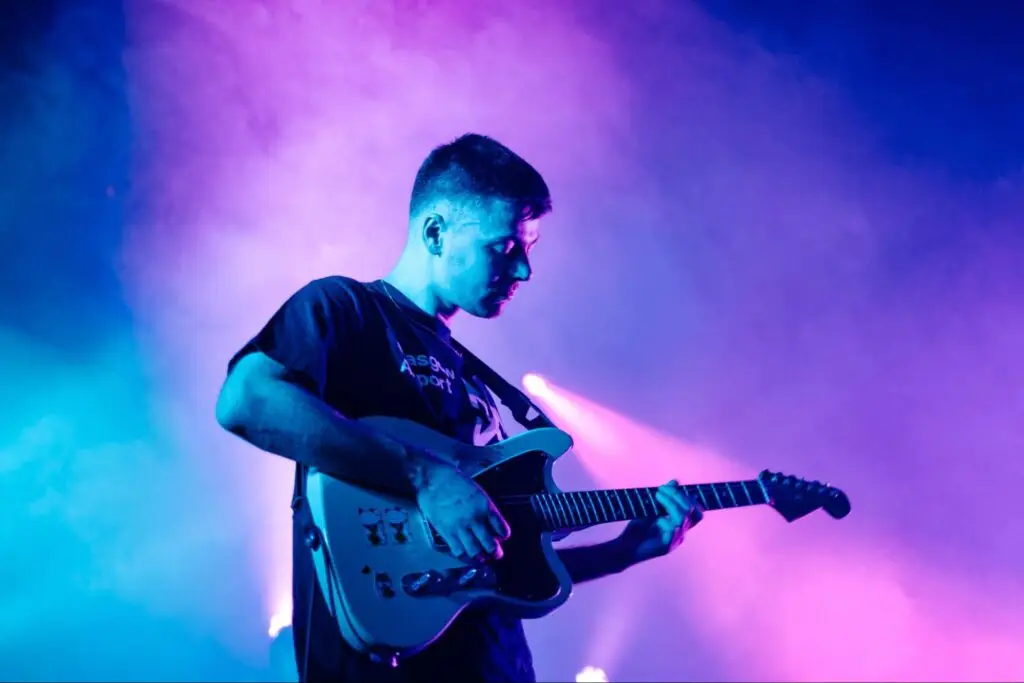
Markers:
<point>445,583</point>
<point>423,583</point>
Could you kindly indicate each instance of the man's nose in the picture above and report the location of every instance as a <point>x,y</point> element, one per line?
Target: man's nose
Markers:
<point>521,270</point>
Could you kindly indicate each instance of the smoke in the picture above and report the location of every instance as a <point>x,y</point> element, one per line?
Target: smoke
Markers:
<point>735,258</point>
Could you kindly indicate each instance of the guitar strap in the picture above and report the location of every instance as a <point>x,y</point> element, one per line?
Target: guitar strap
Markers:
<point>518,403</point>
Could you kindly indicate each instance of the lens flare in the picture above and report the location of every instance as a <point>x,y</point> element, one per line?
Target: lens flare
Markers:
<point>591,674</point>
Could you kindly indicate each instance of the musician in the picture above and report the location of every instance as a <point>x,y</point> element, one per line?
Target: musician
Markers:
<point>341,349</point>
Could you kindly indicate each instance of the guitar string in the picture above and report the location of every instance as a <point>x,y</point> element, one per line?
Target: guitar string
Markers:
<point>627,491</point>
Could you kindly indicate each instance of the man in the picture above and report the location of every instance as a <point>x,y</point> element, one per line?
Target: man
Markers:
<point>340,349</point>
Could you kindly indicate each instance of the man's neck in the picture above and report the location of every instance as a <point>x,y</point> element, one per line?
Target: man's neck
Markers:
<point>410,282</point>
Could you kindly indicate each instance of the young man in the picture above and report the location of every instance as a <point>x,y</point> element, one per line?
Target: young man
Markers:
<point>340,349</point>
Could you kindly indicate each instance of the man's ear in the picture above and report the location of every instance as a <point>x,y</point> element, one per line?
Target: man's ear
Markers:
<point>433,233</point>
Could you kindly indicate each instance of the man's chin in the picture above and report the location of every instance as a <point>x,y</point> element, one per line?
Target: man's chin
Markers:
<point>489,308</point>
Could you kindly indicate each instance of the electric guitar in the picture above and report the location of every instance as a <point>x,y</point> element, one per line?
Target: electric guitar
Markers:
<point>392,584</point>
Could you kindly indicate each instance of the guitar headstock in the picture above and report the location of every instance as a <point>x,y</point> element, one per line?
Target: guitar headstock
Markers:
<point>794,497</point>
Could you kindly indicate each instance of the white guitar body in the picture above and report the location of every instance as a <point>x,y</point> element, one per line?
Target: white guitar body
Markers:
<point>390,583</point>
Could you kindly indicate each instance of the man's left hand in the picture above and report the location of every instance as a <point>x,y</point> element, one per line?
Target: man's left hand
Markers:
<point>644,539</point>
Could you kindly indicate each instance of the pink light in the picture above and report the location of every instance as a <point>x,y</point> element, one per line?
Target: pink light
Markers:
<point>808,611</point>
<point>534,384</point>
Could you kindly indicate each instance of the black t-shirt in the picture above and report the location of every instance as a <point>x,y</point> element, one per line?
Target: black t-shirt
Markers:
<point>365,349</point>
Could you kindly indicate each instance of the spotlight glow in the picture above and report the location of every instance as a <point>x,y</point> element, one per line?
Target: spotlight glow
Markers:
<point>534,384</point>
<point>281,618</point>
<point>591,674</point>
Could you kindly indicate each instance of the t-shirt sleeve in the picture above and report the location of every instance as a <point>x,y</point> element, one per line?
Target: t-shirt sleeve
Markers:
<point>312,335</point>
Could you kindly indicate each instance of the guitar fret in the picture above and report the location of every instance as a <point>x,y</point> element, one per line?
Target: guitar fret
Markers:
<point>606,500</point>
<point>569,512</point>
<point>563,505</point>
<point>563,517</point>
<point>581,503</point>
<point>552,511</point>
<point>643,504</point>
<point>728,489</point>
<point>579,513</point>
<point>604,512</point>
<point>654,502</point>
<point>564,510</point>
<point>587,508</point>
<point>629,499</point>
<point>588,511</point>
<point>717,499</point>
<point>750,499</point>
<point>638,497</point>
<point>619,494</point>
<point>722,502</point>
<point>537,508</point>
<point>703,500</point>
<point>546,515</point>
<point>588,500</point>
<point>615,493</point>
<point>592,513</point>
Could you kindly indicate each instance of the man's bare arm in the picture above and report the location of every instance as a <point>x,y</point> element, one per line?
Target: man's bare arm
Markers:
<point>260,403</point>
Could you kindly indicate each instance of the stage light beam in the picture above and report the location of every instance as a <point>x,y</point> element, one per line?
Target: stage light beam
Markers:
<point>534,384</point>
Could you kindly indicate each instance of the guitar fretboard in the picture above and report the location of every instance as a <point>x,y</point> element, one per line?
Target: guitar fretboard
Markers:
<point>575,509</point>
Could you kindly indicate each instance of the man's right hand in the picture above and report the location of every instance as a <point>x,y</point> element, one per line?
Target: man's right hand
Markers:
<point>461,513</point>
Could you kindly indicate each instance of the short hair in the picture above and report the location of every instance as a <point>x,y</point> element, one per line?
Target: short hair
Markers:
<point>478,167</point>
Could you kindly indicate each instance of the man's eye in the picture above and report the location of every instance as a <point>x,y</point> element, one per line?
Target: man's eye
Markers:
<point>505,247</point>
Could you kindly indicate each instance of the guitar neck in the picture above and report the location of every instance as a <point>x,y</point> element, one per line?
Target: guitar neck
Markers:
<point>575,509</point>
